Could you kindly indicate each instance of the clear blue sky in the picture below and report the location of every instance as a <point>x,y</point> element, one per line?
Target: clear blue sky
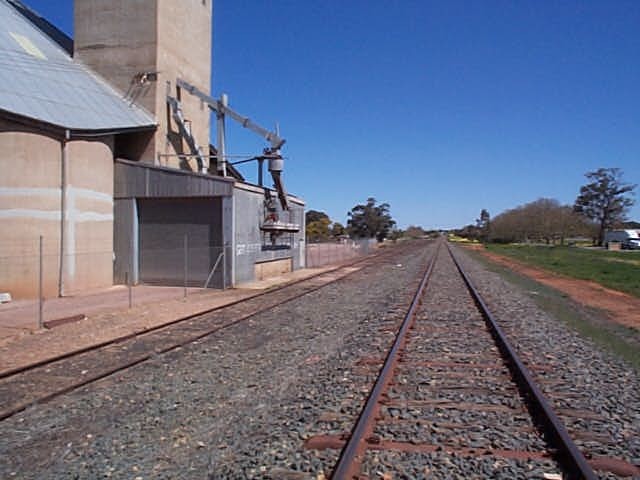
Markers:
<point>438,108</point>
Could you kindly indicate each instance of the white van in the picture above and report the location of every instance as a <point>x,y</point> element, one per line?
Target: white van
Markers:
<point>627,238</point>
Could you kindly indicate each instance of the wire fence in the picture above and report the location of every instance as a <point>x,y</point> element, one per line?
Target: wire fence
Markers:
<point>33,275</point>
<point>204,267</point>
<point>35,267</point>
<point>328,253</point>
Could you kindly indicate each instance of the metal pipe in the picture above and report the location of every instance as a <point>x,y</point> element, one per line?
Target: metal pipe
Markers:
<point>224,267</point>
<point>206,284</point>
<point>220,132</point>
<point>221,107</point>
<point>40,289</point>
<point>191,155</point>
<point>186,259</point>
<point>127,281</point>
<point>63,208</point>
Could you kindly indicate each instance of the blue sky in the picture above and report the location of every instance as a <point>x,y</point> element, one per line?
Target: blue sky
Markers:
<point>438,108</point>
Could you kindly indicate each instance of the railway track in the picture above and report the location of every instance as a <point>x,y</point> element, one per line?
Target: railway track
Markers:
<point>452,399</point>
<point>275,396</point>
<point>43,381</point>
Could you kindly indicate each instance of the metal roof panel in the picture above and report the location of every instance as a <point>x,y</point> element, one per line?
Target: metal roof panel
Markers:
<point>39,80</point>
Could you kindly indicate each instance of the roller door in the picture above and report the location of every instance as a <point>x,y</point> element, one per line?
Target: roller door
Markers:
<point>163,225</point>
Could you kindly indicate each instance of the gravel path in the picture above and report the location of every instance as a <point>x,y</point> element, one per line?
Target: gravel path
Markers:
<point>234,405</point>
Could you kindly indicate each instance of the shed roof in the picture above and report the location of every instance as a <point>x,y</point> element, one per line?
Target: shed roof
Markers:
<point>41,81</point>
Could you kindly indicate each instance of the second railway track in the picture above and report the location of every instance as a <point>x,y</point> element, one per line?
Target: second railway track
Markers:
<point>42,381</point>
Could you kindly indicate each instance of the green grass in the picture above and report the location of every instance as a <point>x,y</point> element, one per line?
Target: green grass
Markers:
<point>622,341</point>
<point>615,270</point>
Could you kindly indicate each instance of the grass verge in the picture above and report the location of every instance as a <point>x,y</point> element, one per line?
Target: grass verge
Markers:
<point>616,270</point>
<point>593,324</point>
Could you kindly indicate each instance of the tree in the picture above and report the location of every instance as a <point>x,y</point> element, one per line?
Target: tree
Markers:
<point>470,232</point>
<point>413,231</point>
<point>484,224</point>
<point>317,228</point>
<point>543,220</point>
<point>314,216</point>
<point>318,231</point>
<point>370,220</point>
<point>337,230</point>
<point>396,234</point>
<point>604,200</point>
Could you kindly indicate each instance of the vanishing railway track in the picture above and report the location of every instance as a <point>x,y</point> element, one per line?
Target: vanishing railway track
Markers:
<point>452,399</point>
<point>43,381</point>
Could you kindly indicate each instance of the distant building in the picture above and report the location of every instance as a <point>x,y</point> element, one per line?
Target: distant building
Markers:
<point>98,156</point>
<point>626,239</point>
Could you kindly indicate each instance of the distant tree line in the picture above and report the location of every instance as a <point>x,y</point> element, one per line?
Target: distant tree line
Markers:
<point>602,204</point>
<point>320,228</point>
<point>542,221</point>
<point>368,220</point>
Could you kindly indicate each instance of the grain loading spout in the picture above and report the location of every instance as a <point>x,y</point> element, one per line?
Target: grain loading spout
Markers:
<point>272,154</point>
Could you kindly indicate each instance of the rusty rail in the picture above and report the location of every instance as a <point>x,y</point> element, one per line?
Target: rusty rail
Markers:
<point>568,453</point>
<point>352,454</point>
<point>350,460</point>
<point>9,411</point>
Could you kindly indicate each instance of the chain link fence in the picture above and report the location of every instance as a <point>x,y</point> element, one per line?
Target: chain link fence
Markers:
<point>328,253</point>
<point>31,268</point>
<point>33,277</point>
<point>204,267</point>
<point>34,269</point>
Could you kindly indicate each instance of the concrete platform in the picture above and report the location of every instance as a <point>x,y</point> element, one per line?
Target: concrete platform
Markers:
<point>105,315</point>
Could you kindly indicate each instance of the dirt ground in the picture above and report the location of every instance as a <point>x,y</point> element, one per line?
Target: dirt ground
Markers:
<point>619,307</point>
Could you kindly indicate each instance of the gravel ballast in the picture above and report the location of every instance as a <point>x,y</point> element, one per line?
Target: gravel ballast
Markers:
<point>596,394</point>
<point>240,404</point>
<point>236,404</point>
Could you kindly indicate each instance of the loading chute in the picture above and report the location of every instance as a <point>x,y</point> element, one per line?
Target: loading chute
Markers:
<point>271,154</point>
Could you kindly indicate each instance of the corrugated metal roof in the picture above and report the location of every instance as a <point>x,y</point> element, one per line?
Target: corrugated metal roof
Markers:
<point>39,80</point>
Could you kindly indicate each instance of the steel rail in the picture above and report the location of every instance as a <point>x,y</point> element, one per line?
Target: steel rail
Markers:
<point>568,453</point>
<point>175,345</point>
<point>123,338</point>
<point>348,464</point>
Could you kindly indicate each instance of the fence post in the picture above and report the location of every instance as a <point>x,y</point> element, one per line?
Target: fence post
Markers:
<point>127,281</point>
<point>40,287</point>
<point>224,267</point>
<point>186,259</point>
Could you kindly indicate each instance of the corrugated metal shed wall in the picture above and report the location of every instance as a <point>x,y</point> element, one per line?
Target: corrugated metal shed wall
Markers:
<point>155,207</point>
<point>142,180</point>
<point>251,246</point>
